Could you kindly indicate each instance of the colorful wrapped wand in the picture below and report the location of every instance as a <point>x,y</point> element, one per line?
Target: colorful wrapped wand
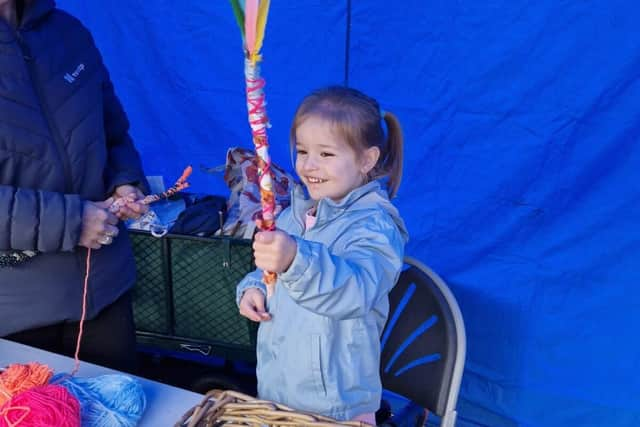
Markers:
<point>179,185</point>
<point>251,16</point>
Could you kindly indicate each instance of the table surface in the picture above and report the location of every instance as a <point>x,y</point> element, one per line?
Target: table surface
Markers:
<point>165,403</point>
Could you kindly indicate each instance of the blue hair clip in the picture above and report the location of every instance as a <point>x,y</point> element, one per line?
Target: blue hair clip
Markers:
<point>383,123</point>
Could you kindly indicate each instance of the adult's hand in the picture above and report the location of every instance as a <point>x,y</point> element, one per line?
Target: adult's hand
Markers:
<point>98,224</point>
<point>133,207</point>
<point>252,305</point>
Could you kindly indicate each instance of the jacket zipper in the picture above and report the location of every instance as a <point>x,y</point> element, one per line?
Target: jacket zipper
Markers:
<point>299,222</point>
<point>53,128</point>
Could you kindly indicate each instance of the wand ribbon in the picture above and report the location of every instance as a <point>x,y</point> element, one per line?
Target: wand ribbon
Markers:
<point>251,16</point>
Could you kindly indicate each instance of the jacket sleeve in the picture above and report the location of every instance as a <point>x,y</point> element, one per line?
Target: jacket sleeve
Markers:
<point>39,220</point>
<point>348,283</point>
<point>124,165</point>
<point>251,280</point>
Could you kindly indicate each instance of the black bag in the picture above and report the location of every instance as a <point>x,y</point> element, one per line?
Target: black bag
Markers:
<point>202,217</point>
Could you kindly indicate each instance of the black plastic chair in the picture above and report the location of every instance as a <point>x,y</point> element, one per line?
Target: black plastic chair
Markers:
<point>424,343</point>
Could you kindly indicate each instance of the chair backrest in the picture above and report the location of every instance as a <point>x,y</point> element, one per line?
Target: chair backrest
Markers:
<point>424,342</point>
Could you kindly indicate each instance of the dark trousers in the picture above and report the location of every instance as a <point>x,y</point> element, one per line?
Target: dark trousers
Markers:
<point>108,339</point>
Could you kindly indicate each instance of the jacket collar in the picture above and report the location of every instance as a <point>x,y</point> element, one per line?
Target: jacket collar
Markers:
<point>327,208</point>
<point>34,11</point>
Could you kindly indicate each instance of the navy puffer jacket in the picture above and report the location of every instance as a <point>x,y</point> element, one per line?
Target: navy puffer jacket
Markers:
<point>63,140</point>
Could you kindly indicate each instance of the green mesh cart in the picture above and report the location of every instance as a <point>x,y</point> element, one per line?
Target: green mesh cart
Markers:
<point>184,298</point>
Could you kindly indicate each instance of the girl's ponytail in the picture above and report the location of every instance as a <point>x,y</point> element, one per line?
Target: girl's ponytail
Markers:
<point>394,158</point>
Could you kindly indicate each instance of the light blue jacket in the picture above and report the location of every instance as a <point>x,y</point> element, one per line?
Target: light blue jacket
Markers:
<point>320,352</point>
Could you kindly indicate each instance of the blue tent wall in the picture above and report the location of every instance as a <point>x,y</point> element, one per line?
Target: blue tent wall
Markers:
<point>522,182</point>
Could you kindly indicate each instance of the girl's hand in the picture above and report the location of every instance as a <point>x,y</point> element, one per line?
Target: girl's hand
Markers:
<point>252,305</point>
<point>274,250</point>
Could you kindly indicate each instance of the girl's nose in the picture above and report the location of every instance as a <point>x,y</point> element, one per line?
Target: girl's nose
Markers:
<point>309,163</point>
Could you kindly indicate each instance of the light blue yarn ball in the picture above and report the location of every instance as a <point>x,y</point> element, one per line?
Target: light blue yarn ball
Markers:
<point>107,400</point>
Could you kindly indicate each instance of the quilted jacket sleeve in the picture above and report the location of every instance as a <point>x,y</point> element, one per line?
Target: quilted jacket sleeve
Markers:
<point>124,165</point>
<point>39,220</point>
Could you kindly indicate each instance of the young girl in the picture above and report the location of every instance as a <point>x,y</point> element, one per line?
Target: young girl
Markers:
<point>337,253</point>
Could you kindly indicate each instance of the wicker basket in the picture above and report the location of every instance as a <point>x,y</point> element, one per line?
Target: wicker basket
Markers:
<point>232,409</point>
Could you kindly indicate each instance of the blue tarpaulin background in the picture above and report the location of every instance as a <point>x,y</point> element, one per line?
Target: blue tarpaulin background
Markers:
<point>522,179</point>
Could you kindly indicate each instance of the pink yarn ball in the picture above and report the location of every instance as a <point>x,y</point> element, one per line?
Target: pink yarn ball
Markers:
<point>48,405</point>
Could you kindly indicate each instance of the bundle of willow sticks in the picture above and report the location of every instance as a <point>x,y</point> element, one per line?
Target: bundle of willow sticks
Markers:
<point>232,409</point>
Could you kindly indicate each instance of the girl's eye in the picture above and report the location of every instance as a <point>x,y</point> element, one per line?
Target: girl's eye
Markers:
<point>325,154</point>
<point>301,152</point>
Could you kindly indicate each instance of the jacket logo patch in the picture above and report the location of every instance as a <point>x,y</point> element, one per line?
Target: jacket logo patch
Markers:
<point>71,77</point>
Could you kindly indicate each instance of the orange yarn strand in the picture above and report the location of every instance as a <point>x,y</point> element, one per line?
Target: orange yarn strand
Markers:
<point>85,288</point>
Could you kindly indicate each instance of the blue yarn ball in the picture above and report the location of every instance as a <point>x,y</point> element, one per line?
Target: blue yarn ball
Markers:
<point>107,400</point>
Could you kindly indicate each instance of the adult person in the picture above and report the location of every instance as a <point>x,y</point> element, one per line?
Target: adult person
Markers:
<point>65,155</point>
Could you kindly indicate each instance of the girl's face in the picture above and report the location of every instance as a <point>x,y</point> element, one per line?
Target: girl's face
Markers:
<point>325,162</point>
